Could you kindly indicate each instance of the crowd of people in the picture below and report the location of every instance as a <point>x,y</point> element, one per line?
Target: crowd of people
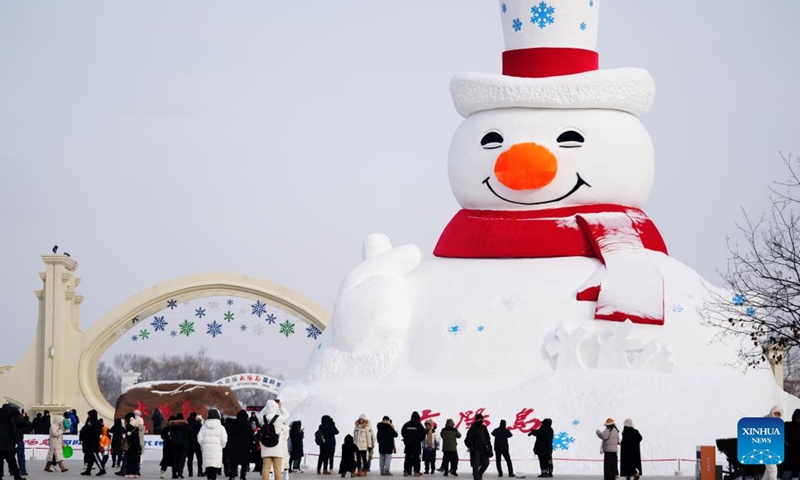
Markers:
<point>229,445</point>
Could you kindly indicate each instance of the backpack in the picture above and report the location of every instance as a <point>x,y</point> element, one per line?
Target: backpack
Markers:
<point>319,438</point>
<point>269,437</point>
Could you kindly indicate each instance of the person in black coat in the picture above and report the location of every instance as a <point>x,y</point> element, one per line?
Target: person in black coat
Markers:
<point>791,432</point>
<point>134,454</point>
<point>167,452</point>
<point>630,460</point>
<point>194,446</point>
<point>543,448</point>
<point>348,462</point>
<point>8,439</point>
<point>179,437</point>
<point>385,436</point>
<point>240,441</point>
<point>117,432</point>
<point>413,432</point>
<point>296,441</point>
<point>479,444</point>
<point>158,421</point>
<point>90,440</point>
<point>327,432</point>
<point>501,435</point>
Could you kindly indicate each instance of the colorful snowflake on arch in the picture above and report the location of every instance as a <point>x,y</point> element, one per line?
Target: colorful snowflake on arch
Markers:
<point>287,328</point>
<point>214,329</point>
<point>186,328</point>
<point>313,332</point>
<point>159,324</point>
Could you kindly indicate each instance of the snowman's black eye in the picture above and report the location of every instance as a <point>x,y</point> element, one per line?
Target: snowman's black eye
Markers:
<point>492,140</point>
<point>570,139</point>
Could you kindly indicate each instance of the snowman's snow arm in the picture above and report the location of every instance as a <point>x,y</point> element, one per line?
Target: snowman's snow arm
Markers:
<point>630,285</point>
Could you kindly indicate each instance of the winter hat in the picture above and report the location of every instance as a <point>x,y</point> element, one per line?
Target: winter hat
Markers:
<point>628,422</point>
<point>362,417</point>
<point>609,422</point>
<point>776,409</point>
<point>137,413</point>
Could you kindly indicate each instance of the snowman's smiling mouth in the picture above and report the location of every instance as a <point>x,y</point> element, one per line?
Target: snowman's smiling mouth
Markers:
<point>578,184</point>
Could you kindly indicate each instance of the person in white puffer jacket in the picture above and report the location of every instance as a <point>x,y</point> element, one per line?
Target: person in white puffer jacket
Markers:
<point>212,438</point>
<point>273,457</point>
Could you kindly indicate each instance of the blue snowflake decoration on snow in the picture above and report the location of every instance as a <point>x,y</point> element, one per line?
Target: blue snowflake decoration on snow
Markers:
<point>738,299</point>
<point>230,301</point>
<point>576,422</point>
<point>750,312</point>
<point>259,308</point>
<point>542,14</point>
<point>243,327</point>
<point>591,3</point>
<point>583,25</point>
<point>200,312</point>
<point>454,328</point>
<point>173,333</point>
<point>134,338</point>
<point>677,309</point>
<point>481,328</point>
<point>517,24</point>
<point>313,332</point>
<point>172,304</point>
<point>214,329</point>
<point>159,324</point>
<point>270,319</point>
<point>562,441</point>
<point>505,8</point>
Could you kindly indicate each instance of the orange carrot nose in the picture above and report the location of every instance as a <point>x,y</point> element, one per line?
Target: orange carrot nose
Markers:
<point>526,166</point>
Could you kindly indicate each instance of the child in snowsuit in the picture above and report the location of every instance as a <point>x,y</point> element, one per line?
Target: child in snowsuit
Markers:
<point>348,462</point>
<point>430,444</point>
<point>543,448</point>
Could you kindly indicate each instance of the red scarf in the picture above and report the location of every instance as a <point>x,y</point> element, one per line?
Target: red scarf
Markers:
<point>606,232</point>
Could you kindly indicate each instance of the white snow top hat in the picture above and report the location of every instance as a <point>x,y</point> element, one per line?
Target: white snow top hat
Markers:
<point>551,61</point>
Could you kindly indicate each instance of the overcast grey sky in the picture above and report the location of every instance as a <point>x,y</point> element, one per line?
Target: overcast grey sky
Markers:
<point>155,139</point>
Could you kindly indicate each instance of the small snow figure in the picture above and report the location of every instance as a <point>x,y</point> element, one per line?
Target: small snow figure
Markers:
<point>313,332</point>
<point>214,329</point>
<point>259,308</point>
<point>738,299</point>
<point>543,448</point>
<point>159,324</point>
<point>542,14</point>
<point>200,312</point>
<point>287,328</point>
<point>172,304</point>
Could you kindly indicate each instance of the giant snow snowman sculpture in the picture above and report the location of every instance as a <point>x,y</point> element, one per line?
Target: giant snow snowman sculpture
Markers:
<point>551,293</point>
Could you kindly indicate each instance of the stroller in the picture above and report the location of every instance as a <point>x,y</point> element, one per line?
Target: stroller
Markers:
<point>729,448</point>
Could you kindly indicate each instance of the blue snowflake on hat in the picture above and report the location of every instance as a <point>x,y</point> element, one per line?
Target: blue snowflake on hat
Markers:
<point>555,64</point>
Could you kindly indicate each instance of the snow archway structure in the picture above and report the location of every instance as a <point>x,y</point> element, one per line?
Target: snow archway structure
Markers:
<point>59,370</point>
